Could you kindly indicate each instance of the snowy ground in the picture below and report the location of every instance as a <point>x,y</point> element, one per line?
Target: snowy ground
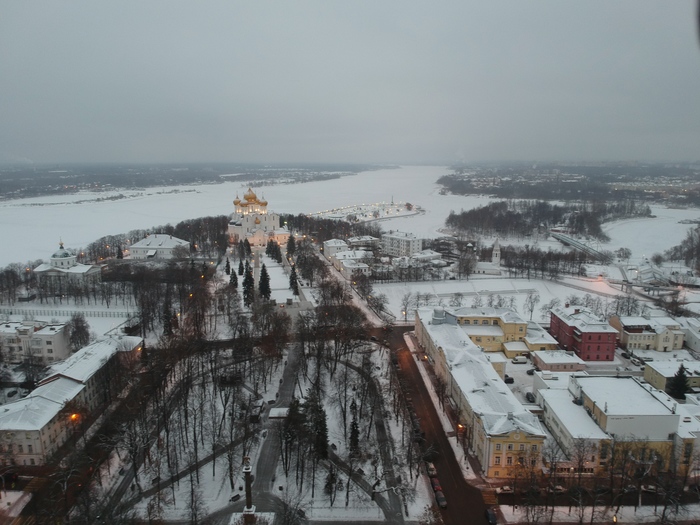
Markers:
<point>33,227</point>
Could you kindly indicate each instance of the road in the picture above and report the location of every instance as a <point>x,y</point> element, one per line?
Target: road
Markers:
<point>465,503</point>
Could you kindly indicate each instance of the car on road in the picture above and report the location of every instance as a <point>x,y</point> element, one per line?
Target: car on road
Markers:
<point>509,380</point>
<point>531,372</point>
<point>653,489</point>
<point>436,484</point>
<point>372,338</point>
<point>625,355</point>
<point>491,517</point>
<point>430,468</point>
<point>441,500</point>
<point>504,490</point>
<point>530,397</point>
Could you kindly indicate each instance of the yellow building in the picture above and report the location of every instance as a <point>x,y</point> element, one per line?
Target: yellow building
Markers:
<point>493,424</point>
<point>659,373</point>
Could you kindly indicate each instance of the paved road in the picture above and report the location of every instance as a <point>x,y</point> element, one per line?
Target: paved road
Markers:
<point>465,503</point>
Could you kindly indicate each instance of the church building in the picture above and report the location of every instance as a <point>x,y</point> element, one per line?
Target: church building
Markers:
<point>64,272</point>
<point>251,220</point>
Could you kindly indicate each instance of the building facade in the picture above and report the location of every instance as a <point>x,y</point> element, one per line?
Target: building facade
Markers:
<point>663,334</point>
<point>159,246</point>
<point>37,340</point>
<point>578,329</point>
<point>399,244</point>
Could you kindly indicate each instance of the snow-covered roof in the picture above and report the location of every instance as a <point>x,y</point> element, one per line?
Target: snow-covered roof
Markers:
<point>558,357</point>
<point>572,416</point>
<point>583,319</point>
<point>335,242</point>
<point>483,330</point>
<point>363,238</point>
<point>485,391</point>
<point>669,368</point>
<point>505,314</point>
<point>352,254</point>
<point>516,346</point>
<point>78,268</point>
<point>83,364</point>
<point>622,396</point>
<point>159,240</point>
<point>538,335</point>
<point>36,410</point>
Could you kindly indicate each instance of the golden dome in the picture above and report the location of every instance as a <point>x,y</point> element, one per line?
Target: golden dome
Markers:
<point>236,201</point>
<point>250,195</point>
<point>263,202</point>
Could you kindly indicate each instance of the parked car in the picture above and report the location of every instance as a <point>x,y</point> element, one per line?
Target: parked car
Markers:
<point>653,489</point>
<point>441,500</point>
<point>436,484</point>
<point>625,355</point>
<point>531,372</point>
<point>556,489</point>
<point>504,490</point>
<point>530,397</point>
<point>491,517</point>
<point>508,379</point>
<point>432,471</point>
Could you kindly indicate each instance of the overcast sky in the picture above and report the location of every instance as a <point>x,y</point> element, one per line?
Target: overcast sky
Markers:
<point>354,81</point>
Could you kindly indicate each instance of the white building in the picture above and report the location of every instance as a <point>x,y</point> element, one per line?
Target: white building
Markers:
<point>333,246</point>
<point>351,268</point>
<point>399,244</point>
<point>44,342</point>
<point>493,267</point>
<point>158,246</point>
<point>32,429</point>
<point>63,271</point>
<point>349,255</point>
<point>363,242</point>
<point>251,220</point>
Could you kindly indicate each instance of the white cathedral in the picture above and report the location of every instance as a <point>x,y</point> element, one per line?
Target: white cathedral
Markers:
<point>252,221</point>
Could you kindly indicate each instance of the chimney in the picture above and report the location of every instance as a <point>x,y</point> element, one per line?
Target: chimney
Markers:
<point>577,310</point>
<point>566,305</point>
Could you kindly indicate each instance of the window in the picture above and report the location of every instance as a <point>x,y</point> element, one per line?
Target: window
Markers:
<point>495,322</point>
<point>522,446</point>
<point>520,329</point>
<point>498,446</point>
<point>498,460</point>
<point>510,446</point>
<point>533,448</point>
<point>533,462</point>
<point>30,449</point>
<point>485,321</point>
<point>49,343</point>
<point>466,321</point>
<point>509,460</point>
<point>49,350</point>
<point>31,461</point>
<point>20,448</point>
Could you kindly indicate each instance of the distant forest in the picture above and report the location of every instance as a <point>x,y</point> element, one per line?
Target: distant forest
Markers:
<point>520,218</point>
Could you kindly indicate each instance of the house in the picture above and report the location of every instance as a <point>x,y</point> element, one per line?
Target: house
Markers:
<point>251,220</point>
<point>578,329</point>
<point>492,328</point>
<point>41,341</point>
<point>400,244</point>
<point>662,334</point>
<point>363,242</point>
<point>159,246</point>
<point>350,268</point>
<point>73,394</point>
<point>503,434</point>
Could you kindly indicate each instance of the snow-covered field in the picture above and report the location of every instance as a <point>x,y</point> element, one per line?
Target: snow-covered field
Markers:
<point>32,228</point>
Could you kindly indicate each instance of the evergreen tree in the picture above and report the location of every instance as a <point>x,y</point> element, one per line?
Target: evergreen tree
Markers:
<point>248,249</point>
<point>678,385</point>
<point>293,281</point>
<point>291,246</point>
<point>269,248</point>
<point>120,254</point>
<point>248,288</point>
<point>264,284</point>
<point>240,267</point>
<point>227,269</point>
<point>234,281</point>
<point>354,435</point>
<point>241,250</point>
<point>78,331</point>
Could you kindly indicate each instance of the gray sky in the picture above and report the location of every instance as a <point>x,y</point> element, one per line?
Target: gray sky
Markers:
<point>360,81</point>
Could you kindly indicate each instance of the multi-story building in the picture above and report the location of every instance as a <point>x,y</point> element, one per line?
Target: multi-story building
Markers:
<point>578,329</point>
<point>34,428</point>
<point>159,246</point>
<point>663,334</point>
<point>42,342</point>
<point>333,246</point>
<point>491,328</point>
<point>63,272</point>
<point>503,435</point>
<point>653,429</point>
<point>400,244</point>
<point>251,220</point>
<point>363,242</point>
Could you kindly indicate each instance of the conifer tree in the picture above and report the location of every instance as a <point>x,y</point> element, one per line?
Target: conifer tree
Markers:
<point>227,269</point>
<point>234,281</point>
<point>678,385</point>
<point>291,246</point>
<point>240,267</point>
<point>248,249</point>
<point>120,254</point>
<point>354,436</point>
<point>264,285</point>
<point>293,281</point>
<point>248,288</point>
